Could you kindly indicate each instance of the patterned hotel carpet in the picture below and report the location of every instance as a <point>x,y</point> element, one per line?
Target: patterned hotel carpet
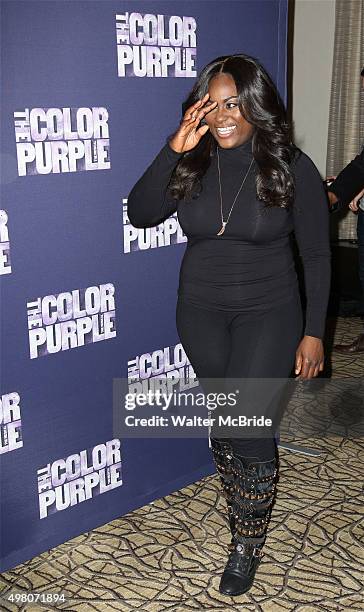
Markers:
<point>169,555</point>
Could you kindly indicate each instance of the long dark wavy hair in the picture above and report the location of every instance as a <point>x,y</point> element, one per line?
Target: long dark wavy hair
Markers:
<point>260,104</point>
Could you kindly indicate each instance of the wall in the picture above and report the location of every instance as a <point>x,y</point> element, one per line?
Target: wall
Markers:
<point>313,43</point>
<point>86,298</point>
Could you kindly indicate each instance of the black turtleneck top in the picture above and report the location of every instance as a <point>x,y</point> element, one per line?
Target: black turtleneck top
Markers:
<point>250,267</point>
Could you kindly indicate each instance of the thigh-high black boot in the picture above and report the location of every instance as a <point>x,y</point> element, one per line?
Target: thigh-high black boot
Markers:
<point>251,502</point>
<point>222,453</point>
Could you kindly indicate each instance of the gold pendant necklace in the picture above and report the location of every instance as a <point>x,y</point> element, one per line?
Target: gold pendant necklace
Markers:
<point>222,229</point>
<point>224,223</point>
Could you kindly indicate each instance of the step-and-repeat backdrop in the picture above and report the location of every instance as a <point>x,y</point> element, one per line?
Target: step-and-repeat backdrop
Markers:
<point>91,90</point>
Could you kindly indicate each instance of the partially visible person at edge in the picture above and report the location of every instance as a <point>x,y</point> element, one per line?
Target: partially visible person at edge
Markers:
<point>241,188</point>
<point>348,190</point>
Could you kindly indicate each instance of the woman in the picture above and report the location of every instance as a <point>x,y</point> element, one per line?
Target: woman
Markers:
<point>241,188</point>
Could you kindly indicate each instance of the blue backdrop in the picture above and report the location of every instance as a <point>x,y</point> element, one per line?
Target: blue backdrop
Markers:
<point>62,232</point>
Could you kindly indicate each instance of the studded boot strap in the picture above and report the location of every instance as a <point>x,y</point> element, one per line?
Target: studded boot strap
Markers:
<point>254,490</point>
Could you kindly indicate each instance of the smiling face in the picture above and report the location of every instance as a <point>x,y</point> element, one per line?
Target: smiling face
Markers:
<point>226,123</point>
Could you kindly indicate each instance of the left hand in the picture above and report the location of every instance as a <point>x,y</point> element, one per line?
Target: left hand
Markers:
<point>354,204</point>
<point>309,358</point>
<point>333,199</point>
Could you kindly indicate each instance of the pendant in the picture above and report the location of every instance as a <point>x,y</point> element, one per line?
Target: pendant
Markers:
<point>222,229</point>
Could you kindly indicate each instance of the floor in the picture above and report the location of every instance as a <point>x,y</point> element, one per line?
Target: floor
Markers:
<point>169,555</point>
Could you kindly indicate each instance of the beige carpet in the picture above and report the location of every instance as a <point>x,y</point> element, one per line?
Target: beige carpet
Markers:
<point>169,555</point>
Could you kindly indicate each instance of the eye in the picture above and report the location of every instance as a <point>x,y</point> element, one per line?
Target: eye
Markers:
<point>231,105</point>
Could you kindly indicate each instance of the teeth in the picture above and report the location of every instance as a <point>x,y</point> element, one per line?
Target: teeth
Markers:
<point>226,130</point>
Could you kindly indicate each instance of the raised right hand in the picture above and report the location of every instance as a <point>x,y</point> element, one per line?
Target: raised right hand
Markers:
<point>189,134</point>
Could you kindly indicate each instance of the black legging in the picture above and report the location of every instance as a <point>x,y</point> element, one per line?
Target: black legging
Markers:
<point>222,344</point>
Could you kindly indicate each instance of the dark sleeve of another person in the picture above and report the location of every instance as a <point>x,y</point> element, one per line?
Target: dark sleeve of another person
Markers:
<point>149,202</point>
<point>349,182</point>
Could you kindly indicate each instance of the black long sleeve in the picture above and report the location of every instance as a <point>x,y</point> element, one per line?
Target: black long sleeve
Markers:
<point>311,228</point>
<point>349,182</point>
<point>148,201</point>
<point>250,267</point>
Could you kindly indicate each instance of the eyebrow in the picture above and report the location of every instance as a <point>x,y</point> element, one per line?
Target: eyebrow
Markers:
<point>225,99</point>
